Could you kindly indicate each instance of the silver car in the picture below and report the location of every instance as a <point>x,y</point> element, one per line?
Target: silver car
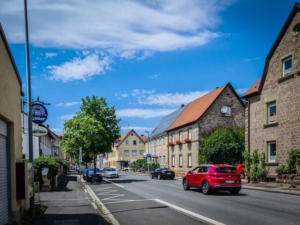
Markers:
<point>111,172</point>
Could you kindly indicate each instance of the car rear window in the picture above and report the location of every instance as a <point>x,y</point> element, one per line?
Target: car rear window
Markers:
<point>225,170</point>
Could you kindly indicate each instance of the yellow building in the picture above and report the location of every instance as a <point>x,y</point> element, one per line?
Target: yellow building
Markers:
<point>127,149</point>
<point>12,195</point>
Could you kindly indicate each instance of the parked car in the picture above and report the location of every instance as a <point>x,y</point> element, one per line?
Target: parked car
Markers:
<point>163,173</point>
<point>210,178</point>
<point>90,174</point>
<point>241,170</point>
<point>111,172</point>
<point>125,168</point>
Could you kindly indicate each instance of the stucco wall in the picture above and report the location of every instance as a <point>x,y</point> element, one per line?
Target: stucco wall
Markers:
<point>10,111</point>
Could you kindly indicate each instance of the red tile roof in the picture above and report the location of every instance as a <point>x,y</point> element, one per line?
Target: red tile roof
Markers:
<point>196,109</point>
<point>253,88</point>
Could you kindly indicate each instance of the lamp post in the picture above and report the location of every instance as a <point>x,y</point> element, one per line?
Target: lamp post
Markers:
<point>147,132</point>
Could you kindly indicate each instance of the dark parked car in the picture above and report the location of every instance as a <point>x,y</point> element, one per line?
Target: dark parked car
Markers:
<point>89,175</point>
<point>211,178</point>
<point>163,173</point>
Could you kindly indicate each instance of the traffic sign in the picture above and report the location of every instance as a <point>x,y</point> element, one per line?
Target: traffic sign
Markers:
<point>39,113</point>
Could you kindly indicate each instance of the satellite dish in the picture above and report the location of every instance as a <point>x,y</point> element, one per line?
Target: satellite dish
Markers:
<point>224,109</point>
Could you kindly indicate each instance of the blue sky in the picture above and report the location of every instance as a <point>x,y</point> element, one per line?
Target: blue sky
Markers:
<point>146,57</point>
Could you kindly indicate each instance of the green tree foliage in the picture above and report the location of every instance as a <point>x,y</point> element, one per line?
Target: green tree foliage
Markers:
<point>223,145</point>
<point>45,162</point>
<point>293,161</point>
<point>94,129</point>
<point>255,165</point>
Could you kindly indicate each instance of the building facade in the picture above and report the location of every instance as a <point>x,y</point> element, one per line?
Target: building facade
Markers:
<point>127,149</point>
<point>272,115</point>
<point>11,205</point>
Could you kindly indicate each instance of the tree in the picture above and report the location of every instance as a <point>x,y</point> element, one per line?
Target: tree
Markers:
<point>94,129</point>
<point>223,145</point>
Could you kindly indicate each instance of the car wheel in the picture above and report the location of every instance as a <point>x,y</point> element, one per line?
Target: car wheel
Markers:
<point>235,191</point>
<point>172,178</point>
<point>242,175</point>
<point>205,188</point>
<point>151,176</point>
<point>185,185</point>
<point>159,177</point>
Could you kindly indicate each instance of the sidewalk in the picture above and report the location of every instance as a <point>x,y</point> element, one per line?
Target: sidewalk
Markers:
<point>69,205</point>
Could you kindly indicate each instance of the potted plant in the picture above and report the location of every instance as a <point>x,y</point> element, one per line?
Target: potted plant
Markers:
<point>170,144</point>
<point>178,142</point>
<point>187,140</point>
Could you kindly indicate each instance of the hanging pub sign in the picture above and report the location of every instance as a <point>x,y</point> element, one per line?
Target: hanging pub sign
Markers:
<point>38,131</point>
<point>39,113</point>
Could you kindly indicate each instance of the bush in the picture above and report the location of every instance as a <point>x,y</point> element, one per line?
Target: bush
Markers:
<point>45,162</point>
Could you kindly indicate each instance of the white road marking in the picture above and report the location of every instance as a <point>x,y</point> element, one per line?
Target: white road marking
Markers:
<point>143,200</point>
<point>114,184</point>
<point>190,213</point>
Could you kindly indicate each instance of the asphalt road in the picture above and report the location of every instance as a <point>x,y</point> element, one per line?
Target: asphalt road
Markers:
<point>138,199</point>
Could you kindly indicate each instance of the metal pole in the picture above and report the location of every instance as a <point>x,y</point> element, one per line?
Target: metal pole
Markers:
<point>30,142</point>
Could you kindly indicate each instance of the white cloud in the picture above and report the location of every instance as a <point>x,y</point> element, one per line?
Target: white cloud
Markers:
<point>50,54</point>
<point>131,28</point>
<point>80,68</point>
<point>136,92</point>
<point>154,77</point>
<point>241,90</point>
<point>138,128</point>
<point>68,104</point>
<point>124,95</point>
<point>67,117</point>
<point>144,113</point>
<point>171,99</point>
<point>251,59</point>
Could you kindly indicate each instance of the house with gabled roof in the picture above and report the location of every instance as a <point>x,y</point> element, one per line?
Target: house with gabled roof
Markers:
<point>127,149</point>
<point>219,108</point>
<point>272,114</point>
<point>157,141</point>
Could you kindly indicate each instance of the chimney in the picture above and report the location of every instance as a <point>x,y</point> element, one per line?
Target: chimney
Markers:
<point>182,105</point>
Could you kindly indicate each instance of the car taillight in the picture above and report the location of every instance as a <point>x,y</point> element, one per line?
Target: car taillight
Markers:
<point>163,172</point>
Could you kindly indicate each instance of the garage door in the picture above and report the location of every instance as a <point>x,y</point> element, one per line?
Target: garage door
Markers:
<point>3,174</point>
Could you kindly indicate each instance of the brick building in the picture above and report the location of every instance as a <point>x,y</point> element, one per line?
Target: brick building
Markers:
<point>272,114</point>
<point>175,140</point>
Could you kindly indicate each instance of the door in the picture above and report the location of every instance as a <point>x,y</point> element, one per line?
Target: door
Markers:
<point>3,174</point>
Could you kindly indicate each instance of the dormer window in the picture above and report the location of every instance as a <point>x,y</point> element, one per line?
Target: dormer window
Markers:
<point>296,29</point>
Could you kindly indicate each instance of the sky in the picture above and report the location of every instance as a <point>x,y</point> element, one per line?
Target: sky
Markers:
<point>145,57</point>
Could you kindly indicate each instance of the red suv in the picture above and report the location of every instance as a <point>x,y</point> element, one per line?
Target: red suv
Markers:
<point>211,178</point>
<point>241,170</point>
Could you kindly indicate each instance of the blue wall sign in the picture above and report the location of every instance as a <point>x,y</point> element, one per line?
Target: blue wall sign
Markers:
<point>39,113</point>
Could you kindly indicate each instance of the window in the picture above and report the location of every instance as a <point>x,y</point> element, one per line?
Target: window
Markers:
<point>173,160</point>
<point>272,112</point>
<point>127,142</point>
<point>286,66</point>
<point>141,152</point>
<point>180,161</point>
<point>296,29</point>
<point>134,142</point>
<point>189,160</point>
<point>160,160</point>
<point>140,142</point>
<point>134,152</point>
<point>272,151</point>
<point>126,152</point>
<point>228,111</point>
<point>180,136</point>
<point>190,134</point>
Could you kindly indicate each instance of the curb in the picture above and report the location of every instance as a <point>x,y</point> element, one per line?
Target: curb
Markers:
<point>100,204</point>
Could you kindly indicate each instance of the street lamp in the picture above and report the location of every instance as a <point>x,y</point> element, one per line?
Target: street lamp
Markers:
<point>147,132</point>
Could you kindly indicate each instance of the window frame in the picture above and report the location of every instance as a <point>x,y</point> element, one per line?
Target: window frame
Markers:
<point>141,152</point>
<point>125,151</point>
<point>133,152</point>
<point>189,161</point>
<point>180,160</point>
<point>126,142</point>
<point>173,160</point>
<point>269,143</point>
<point>180,136</point>
<point>134,142</point>
<point>190,133</point>
<point>282,65</point>
<point>269,105</point>
<point>284,74</point>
